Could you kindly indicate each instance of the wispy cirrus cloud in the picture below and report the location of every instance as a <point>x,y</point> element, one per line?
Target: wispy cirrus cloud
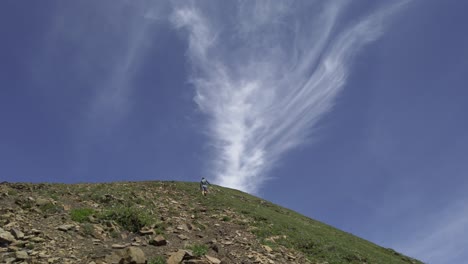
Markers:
<point>265,74</point>
<point>103,45</point>
<point>98,47</point>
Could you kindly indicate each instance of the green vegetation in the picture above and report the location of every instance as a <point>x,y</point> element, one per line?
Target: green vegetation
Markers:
<point>129,218</point>
<point>159,227</point>
<point>81,214</point>
<point>13,192</point>
<point>157,260</point>
<point>114,234</point>
<point>88,229</point>
<point>275,225</point>
<point>135,205</point>
<point>198,250</point>
<point>30,246</point>
<point>50,208</point>
<point>54,196</point>
<point>26,204</point>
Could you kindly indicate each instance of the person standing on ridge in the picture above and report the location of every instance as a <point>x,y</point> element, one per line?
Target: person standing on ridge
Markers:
<point>204,186</point>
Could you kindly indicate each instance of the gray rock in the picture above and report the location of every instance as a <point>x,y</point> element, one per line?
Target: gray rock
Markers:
<point>17,233</point>
<point>6,237</point>
<point>267,248</point>
<point>9,260</point>
<point>158,241</point>
<point>36,232</point>
<point>176,257</point>
<point>42,201</point>
<point>65,227</point>
<point>115,258</point>
<point>37,239</point>
<point>183,237</point>
<point>213,260</point>
<point>119,246</point>
<point>131,255</point>
<point>145,232</point>
<point>135,255</point>
<point>21,255</point>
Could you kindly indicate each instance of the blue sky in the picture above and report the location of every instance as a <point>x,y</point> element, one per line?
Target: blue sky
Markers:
<point>350,113</point>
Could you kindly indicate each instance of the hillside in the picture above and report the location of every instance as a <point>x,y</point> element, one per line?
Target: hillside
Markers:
<point>165,222</point>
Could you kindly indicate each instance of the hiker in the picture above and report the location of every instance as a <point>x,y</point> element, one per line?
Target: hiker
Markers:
<point>204,186</point>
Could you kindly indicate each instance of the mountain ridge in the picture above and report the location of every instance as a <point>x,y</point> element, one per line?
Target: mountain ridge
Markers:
<point>166,222</point>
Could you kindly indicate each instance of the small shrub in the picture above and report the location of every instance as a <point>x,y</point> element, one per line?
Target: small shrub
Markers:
<point>199,225</point>
<point>13,192</point>
<point>268,243</point>
<point>226,218</point>
<point>81,214</point>
<point>159,228</point>
<point>24,204</point>
<point>54,196</point>
<point>139,200</point>
<point>157,260</point>
<point>129,218</point>
<point>30,246</point>
<point>260,218</point>
<point>50,208</point>
<point>199,250</point>
<point>88,229</point>
<point>115,234</point>
<point>307,245</point>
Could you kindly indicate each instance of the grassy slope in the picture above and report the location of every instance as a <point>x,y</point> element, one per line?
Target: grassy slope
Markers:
<point>319,241</point>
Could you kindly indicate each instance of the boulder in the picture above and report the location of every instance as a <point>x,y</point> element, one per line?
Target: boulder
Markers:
<point>145,232</point>
<point>114,258</point>
<point>135,255</point>
<point>131,255</point>
<point>21,255</point>
<point>9,260</point>
<point>65,227</point>
<point>6,237</point>
<point>182,237</point>
<point>158,241</point>
<point>267,248</point>
<point>176,257</point>
<point>42,201</point>
<point>17,233</point>
<point>119,246</point>
<point>213,260</point>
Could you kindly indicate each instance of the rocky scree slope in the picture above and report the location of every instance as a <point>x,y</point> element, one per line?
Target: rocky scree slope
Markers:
<point>165,222</point>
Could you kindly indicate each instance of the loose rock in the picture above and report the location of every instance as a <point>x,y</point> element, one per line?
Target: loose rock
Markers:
<point>21,255</point>
<point>176,257</point>
<point>213,260</point>
<point>6,237</point>
<point>65,228</point>
<point>17,233</point>
<point>158,241</point>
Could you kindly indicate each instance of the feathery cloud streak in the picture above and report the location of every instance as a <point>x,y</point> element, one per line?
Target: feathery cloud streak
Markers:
<point>265,75</point>
<point>104,45</point>
<point>100,47</point>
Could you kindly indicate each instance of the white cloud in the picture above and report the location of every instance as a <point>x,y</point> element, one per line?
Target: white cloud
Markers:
<point>105,45</point>
<point>266,76</point>
<point>101,47</point>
